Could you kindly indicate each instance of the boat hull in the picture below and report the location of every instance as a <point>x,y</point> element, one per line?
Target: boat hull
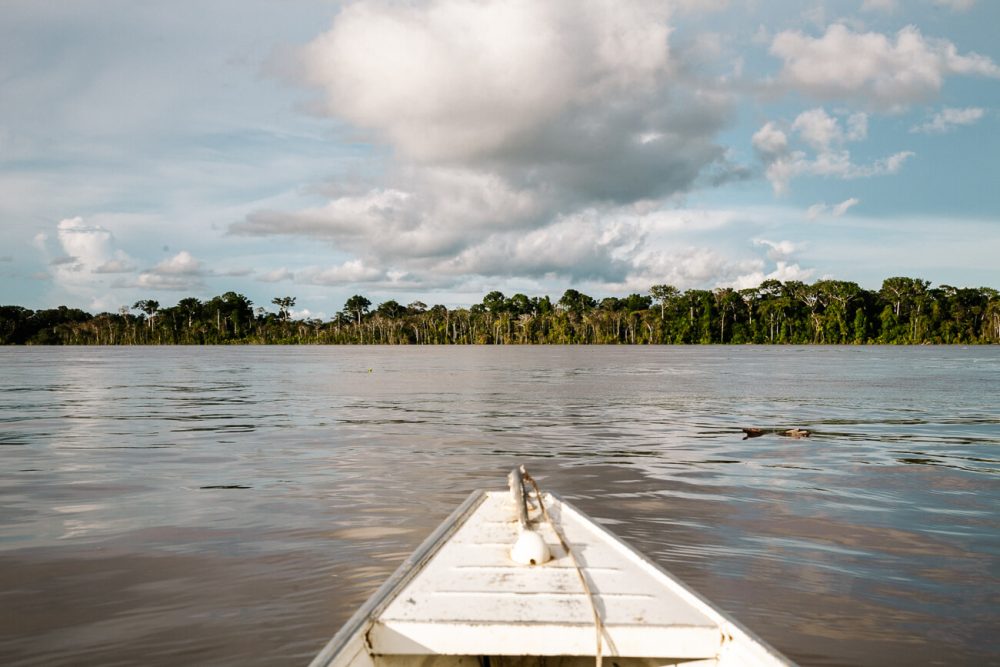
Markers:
<point>459,599</point>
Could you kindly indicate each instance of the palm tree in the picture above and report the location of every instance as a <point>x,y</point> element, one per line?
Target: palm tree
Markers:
<point>285,305</point>
<point>148,306</point>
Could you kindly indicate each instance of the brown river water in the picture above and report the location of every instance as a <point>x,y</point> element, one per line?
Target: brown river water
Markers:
<point>233,506</point>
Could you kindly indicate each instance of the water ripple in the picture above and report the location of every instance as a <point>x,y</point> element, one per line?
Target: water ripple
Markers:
<point>232,506</point>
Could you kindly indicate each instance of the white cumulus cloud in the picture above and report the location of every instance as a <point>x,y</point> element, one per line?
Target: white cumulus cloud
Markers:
<point>440,212</point>
<point>581,247</point>
<point>553,94</point>
<point>873,69</point>
<point>777,250</point>
<point>948,119</point>
<point>180,272</point>
<point>276,276</point>
<point>783,271</point>
<point>818,129</point>
<point>837,210</point>
<point>118,265</point>
<point>508,122</point>
<point>306,314</point>
<point>842,208</point>
<point>826,137</point>
<point>455,79</point>
<point>85,254</point>
<point>88,249</point>
<point>89,246</point>
<point>353,271</point>
<point>770,142</point>
<point>183,263</point>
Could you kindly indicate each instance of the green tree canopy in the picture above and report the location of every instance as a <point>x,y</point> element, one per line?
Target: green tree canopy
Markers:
<point>285,305</point>
<point>357,305</point>
<point>577,302</point>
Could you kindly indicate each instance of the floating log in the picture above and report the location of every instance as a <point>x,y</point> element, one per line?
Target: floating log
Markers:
<point>753,432</point>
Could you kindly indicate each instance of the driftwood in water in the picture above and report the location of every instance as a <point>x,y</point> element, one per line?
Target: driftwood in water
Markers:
<point>752,432</point>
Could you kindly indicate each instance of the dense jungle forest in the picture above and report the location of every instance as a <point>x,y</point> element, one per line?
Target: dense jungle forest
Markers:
<point>903,311</point>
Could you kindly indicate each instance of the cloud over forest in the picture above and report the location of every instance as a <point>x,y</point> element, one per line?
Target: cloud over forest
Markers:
<point>447,148</point>
<point>505,120</point>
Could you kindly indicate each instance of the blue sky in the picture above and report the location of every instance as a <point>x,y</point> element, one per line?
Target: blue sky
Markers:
<point>438,150</point>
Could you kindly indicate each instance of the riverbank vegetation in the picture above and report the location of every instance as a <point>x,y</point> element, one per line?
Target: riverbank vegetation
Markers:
<point>903,311</point>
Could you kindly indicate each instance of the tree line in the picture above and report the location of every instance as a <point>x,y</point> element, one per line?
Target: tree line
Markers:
<point>903,311</point>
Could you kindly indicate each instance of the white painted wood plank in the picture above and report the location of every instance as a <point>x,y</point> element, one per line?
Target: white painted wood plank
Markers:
<point>588,554</point>
<point>542,580</point>
<point>570,608</point>
<point>531,661</point>
<point>473,593</point>
<point>416,638</point>
<point>741,648</point>
<point>465,596</point>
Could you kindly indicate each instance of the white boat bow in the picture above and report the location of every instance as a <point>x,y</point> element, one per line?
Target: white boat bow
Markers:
<point>462,599</point>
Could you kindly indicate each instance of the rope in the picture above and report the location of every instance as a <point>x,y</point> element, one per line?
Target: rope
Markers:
<point>598,623</point>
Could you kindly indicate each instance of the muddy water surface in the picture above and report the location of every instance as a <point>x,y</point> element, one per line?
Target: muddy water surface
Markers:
<point>234,505</point>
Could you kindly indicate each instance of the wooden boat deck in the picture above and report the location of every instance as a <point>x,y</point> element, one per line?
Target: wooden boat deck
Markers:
<point>471,598</point>
<point>461,601</point>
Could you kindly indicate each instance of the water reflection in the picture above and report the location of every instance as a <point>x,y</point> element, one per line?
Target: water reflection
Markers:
<point>232,506</point>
